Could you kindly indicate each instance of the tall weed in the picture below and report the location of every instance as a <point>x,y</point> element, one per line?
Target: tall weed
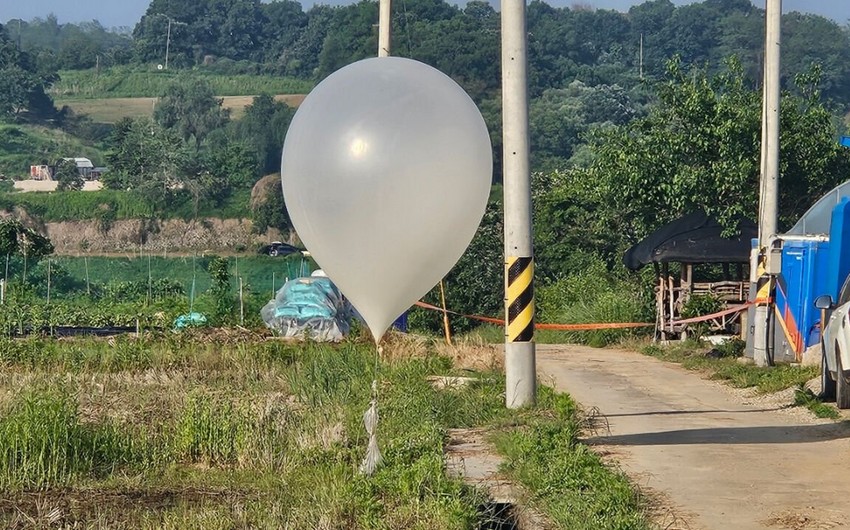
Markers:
<point>210,431</point>
<point>44,444</point>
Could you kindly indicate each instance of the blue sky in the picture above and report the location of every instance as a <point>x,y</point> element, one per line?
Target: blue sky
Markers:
<point>113,13</point>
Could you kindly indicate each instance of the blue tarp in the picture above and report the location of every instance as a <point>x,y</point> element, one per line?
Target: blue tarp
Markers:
<point>192,319</point>
<point>309,307</point>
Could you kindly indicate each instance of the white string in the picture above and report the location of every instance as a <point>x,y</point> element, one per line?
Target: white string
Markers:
<point>370,421</point>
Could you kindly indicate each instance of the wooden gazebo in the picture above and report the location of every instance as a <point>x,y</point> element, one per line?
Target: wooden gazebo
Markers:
<point>705,262</point>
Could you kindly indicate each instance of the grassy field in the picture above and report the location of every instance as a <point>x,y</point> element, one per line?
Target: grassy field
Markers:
<point>110,110</point>
<point>79,206</point>
<point>123,82</point>
<point>226,430</point>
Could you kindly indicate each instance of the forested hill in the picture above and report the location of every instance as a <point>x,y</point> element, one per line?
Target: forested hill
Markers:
<point>566,44</point>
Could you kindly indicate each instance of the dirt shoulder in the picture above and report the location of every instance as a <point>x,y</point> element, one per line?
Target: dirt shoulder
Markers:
<point>718,459</point>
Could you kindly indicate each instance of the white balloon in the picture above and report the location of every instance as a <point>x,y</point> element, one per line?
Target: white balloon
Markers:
<point>386,172</point>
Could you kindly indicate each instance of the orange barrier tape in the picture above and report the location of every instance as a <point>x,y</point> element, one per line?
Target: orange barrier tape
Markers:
<point>538,325</point>
<point>730,311</point>
<point>591,327</point>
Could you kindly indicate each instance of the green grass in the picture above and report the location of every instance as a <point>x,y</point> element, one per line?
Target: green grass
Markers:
<point>193,431</point>
<point>79,205</point>
<point>118,204</point>
<point>44,443</point>
<point>125,82</point>
<point>804,397</point>
<point>24,145</point>
<point>691,355</point>
<point>567,480</point>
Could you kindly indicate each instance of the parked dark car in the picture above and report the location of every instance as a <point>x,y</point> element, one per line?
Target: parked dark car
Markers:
<point>276,248</point>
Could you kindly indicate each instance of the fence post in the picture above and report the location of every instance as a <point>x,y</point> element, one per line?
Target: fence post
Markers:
<point>48,282</point>
<point>241,305</point>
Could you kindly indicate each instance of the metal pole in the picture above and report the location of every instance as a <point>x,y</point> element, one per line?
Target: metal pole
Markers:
<point>641,55</point>
<point>167,42</point>
<point>520,369</point>
<point>241,305</point>
<point>384,28</point>
<point>769,196</point>
<point>150,280</point>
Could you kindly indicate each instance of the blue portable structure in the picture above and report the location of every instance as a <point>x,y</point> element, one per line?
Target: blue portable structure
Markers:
<point>812,264</point>
<point>800,281</point>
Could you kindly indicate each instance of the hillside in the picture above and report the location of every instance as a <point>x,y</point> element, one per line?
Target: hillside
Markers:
<point>22,145</point>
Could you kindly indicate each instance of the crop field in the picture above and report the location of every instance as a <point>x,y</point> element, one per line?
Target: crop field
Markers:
<point>232,429</point>
<point>224,432</point>
<point>110,110</point>
<point>260,274</point>
<point>132,83</point>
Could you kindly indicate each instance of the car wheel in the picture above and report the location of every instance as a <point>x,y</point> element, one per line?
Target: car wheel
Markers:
<point>827,383</point>
<point>273,252</point>
<point>842,385</point>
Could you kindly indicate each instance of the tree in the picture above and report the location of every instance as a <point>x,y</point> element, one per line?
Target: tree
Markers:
<point>146,158</point>
<point>18,240</point>
<point>560,118</point>
<point>268,209</point>
<point>67,176</point>
<point>22,85</point>
<point>264,127</point>
<point>190,108</point>
<point>699,149</point>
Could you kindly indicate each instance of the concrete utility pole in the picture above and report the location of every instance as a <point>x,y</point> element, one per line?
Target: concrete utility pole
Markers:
<point>769,195</point>
<point>520,362</point>
<point>384,28</point>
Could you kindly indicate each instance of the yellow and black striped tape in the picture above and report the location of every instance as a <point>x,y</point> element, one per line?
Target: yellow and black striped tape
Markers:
<point>763,283</point>
<point>519,299</point>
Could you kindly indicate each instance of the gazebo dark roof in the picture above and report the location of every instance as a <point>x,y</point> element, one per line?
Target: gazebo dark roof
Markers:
<point>694,238</point>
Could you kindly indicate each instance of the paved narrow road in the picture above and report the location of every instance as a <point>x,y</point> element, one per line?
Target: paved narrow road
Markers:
<point>717,461</point>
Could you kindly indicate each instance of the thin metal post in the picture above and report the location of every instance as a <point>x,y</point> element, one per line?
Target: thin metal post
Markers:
<point>641,55</point>
<point>88,286</point>
<point>241,305</point>
<point>384,28</point>
<point>150,281</point>
<point>167,42</point>
<point>769,189</point>
<point>520,363</point>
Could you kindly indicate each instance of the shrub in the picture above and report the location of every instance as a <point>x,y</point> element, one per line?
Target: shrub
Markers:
<point>595,295</point>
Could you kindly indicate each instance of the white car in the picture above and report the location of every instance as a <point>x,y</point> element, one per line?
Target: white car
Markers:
<point>835,345</point>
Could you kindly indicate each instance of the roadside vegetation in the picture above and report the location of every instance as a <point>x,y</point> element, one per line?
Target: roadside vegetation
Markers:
<point>722,363</point>
<point>568,481</point>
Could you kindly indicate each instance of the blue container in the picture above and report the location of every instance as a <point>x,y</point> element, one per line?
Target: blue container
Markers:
<point>804,277</point>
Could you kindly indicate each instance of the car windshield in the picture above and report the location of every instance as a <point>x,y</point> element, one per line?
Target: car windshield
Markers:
<point>844,295</point>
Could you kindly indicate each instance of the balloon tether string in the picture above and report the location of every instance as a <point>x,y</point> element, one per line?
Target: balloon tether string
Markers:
<point>370,421</point>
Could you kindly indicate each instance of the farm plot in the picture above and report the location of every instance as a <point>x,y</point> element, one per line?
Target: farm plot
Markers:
<point>224,429</point>
<point>110,110</point>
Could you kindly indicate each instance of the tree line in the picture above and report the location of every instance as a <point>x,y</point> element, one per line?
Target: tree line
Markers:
<point>565,44</point>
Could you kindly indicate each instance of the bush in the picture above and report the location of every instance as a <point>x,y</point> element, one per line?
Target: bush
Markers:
<point>595,295</point>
